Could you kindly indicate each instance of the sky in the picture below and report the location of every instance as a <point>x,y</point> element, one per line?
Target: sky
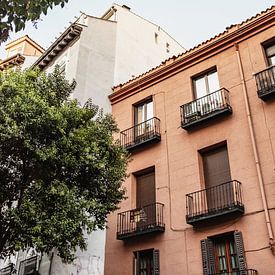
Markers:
<point>190,22</point>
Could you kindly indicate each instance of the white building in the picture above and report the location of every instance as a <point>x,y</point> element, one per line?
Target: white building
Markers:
<point>100,53</point>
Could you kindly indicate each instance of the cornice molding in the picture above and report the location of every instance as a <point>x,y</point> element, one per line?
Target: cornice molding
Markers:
<point>177,64</point>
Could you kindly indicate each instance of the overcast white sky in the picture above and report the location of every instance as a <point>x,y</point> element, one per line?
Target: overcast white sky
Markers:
<point>188,21</point>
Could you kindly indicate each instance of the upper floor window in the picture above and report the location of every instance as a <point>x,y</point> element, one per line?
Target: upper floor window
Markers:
<point>144,111</point>
<point>206,84</point>
<point>270,53</point>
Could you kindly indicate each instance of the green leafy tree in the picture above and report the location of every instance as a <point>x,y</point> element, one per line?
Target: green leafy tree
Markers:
<point>15,13</point>
<point>60,168</point>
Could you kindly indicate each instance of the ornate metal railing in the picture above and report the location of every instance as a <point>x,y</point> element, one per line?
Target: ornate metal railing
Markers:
<point>217,200</point>
<point>142,220</point>
<point>148,130</point>
<point>242,272</point>
<point>206,106</point>
<point>265,81</point>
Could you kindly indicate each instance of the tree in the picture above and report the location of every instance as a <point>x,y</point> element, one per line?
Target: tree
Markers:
<point>15,13</point>
<point>60,168</point>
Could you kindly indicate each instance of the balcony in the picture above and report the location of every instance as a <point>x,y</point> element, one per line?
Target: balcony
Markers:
<point>204,109</point>
<point>213,203</point>
<point>265,81</point>
<point>243,272</point>
<point>7,270</point>
<point>140,221</point>
<point>141,134</point>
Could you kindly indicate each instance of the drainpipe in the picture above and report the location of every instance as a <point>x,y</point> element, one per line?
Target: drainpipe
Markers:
<point>255,153</point>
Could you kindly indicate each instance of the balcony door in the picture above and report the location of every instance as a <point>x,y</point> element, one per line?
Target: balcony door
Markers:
<point>205,85</point>
<point>216,172</point>
<point>143,123</point>
<point>146,199</point>
<point>270,53</point>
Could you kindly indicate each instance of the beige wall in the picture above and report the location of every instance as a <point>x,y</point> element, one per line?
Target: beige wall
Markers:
<point>176,159</point>
<point>23,47</point>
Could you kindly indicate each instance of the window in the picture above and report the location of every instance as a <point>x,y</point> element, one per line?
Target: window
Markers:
<point>28,266</point>
<point>156,38</point>
<point>145,188</point>
<point>144,111</point>
<point>223,254</point>
<point>270,53</point>
<point>15,51</point>
<point>146,199</point>
<point>143,114</point>
<point>167,47</point>
<point>62,63</point>
<point>217,178</point>
<point>206,84</point>
<point>146,262</point>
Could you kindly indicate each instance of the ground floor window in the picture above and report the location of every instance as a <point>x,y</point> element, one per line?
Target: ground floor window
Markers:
<point>223,254</point>
<point>146,262</point>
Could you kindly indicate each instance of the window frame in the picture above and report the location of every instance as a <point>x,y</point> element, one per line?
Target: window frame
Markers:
<point>204,75</point>
<point>227,240</point>
<point>141,103</point>
<point>209,263</point>
<point>154,261</point>
<point>267,44</point>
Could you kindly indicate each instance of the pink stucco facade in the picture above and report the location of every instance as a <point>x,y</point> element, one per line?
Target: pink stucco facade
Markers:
<point>177,161</point>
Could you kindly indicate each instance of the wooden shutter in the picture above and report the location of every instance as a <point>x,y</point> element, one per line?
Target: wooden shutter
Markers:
<point>156,270</point>
<point>208,257</point>
<point>240,250</point>
<point>136,264</point>
<point>146,193</point>
<point>216,166</point>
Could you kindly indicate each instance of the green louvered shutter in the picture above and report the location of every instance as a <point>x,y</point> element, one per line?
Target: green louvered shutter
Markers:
<point>156,262</point>
<point>240,251</point>
<point>208,257</point>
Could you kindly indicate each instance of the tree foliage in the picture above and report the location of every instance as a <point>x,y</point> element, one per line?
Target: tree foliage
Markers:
<point>15,13</point>
<point>60,168</point>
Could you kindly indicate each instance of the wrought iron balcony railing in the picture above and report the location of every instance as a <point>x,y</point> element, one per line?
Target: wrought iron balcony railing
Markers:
<point>140,134</point>
<point>140,221</point>
<point>241,272</point>
<point>204,108</point>
<point>213,202</point>
<point>265,81</point>
<point>7,270</point>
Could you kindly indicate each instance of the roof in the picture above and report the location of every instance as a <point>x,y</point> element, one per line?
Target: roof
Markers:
<point>113,9</point>
<point>70,34</point>
<point>232,33</point>
<point>73,31</point>
<point>25,38</point>
<point>14,60</point>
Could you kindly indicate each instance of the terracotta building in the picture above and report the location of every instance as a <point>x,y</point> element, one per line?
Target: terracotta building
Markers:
<point>201,188</point>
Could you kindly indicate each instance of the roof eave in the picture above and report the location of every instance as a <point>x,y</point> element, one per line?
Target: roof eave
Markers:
<point>180,63</point>
<point>69,35</point>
